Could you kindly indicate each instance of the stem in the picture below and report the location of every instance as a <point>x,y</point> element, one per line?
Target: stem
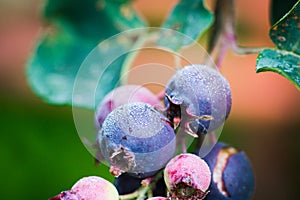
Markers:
<point>129,196</point>
<point>247,50</point>
<point>143,192</point>
<point>150,193</point>
<point>183,145</point>
<point>140,194</point>
<point>223,34</point>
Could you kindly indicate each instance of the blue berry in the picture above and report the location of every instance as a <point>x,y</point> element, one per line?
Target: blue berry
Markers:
<point>232,174</point>
<point>198,98</point>
<point>126,183</point>
<point>160,188</point>
<point>137,139</point>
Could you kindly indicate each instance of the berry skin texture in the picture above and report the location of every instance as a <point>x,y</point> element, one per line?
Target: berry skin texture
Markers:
<point>187,177</point>
<point>198,98</point>
<point>123,95</point>
<point>157,198</point>
<point>90,188</point>
<point>137,139</point>
<point>232,174</point>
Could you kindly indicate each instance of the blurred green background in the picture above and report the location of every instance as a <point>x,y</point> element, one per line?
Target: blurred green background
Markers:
<point>41,153</point>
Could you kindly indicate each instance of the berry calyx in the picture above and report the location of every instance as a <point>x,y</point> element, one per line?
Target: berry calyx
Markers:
<point>187,177</point>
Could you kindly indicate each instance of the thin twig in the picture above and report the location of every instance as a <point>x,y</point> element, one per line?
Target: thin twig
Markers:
<point>140,193</point>
<point>246,50</point>
<point>129,196</point>
<point>223,35</point>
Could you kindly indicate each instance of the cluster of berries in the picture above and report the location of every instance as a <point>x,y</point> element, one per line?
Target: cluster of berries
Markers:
<point>138,137</point>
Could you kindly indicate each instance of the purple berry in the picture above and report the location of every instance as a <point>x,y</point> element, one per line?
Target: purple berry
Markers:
<point>91,188</point>
<point>126,183</point>
<point>123,95</point>
<point>232,174</point>
<point>137,139</point>
<point>187,177</point>
<point>199,98</point>
<point>160,188</point>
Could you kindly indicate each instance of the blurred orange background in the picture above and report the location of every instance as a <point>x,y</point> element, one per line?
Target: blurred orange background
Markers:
<point>264,121</point>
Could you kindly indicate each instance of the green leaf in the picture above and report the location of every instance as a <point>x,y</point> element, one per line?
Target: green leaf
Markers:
<point>75,28</point>
<point>279,8</point>
<point>286,59</point>
<point>286,32</point>
<point>283,62</point>
<point>123,16</point>
<point>189,17</point>
<point>102,69</point>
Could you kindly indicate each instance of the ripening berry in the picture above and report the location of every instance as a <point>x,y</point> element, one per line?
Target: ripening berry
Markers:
<point>198,98</point>
<point>123,95</point>
<point>157,198</point>
<point>232,174</point>
<point>137,139</point>
<point>90,188</point>
<point>187,177</point>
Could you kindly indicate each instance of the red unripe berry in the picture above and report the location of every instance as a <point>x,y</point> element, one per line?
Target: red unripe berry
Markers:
<point>90,188</point>
<point>187,176</point>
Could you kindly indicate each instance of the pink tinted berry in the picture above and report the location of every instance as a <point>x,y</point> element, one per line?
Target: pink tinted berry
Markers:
<point>123,95</point>
<point>157,198</point>
<point>90,188</point>
<point>187,177</point>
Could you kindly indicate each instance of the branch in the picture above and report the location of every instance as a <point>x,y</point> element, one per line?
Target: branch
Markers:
<point>223,35</point>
